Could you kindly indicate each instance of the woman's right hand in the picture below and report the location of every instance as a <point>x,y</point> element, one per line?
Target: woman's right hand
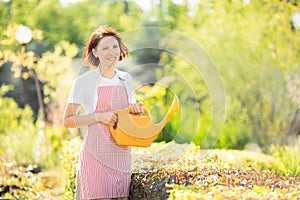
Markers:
<point>107,118</point>
<point>137,108</point>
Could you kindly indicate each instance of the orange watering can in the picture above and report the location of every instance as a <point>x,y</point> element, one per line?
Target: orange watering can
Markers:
<point>140,131</point>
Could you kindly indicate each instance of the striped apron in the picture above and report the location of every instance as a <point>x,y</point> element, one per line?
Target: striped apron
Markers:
<point>104,170</point>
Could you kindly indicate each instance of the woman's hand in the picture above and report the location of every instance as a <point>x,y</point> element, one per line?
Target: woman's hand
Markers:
<point>107,118</point>
<point>137,108</point>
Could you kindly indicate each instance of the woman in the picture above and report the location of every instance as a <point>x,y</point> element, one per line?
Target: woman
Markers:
<point>104,166</point>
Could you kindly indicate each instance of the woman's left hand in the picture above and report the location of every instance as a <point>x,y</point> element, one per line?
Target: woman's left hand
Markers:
<point>137,108</point>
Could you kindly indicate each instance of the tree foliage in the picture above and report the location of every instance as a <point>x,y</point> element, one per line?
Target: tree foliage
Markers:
<point>254,47</point>
<point>253,44</point>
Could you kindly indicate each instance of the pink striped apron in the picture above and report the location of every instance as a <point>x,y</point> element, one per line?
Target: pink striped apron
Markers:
<point>104,165</point>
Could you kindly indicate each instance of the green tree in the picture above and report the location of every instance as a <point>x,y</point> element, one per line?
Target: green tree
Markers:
<point>254,48</point>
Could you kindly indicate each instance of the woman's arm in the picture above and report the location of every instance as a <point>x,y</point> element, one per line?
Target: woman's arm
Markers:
<point>72,119</point>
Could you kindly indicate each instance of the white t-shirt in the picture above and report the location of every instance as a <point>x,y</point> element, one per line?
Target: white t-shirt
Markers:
<point>84,89</point>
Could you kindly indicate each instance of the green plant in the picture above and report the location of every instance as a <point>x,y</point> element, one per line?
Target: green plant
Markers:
<point>288,161</point>
<point>180,192</point>
<point>70,157</point>
<point>253,57</point>
<point>24,142</point>
<point>22,182</point>
<point>17,131</point>
<point>182,171</point>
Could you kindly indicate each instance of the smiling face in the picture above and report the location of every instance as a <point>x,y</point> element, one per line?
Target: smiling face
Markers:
<point>108,51</point>
<point>91,53</point>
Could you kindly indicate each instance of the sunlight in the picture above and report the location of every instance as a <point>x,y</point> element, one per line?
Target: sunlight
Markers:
<point>67,2</point>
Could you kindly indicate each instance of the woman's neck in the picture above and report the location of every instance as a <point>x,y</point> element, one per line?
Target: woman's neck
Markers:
<point>107,72</point>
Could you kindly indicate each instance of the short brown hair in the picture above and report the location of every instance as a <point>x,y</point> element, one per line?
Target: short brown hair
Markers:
<point>88,57</point>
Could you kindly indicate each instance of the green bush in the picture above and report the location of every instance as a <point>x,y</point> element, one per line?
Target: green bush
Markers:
<point>158,169</point>
<point>288,161</point>
<point>70,156</point>
<point>253,58</point>
<point>180,192</point>
<point>18,133</point>
<point>24,142</point>
<point>22,182</point>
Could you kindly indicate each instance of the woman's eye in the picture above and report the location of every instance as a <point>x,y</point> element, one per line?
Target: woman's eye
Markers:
<point>115,46</point>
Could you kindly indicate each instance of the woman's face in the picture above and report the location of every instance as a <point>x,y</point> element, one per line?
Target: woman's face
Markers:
<point>108,51</point>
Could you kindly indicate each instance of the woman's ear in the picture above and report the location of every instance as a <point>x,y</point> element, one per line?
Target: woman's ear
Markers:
<point>94,52</point>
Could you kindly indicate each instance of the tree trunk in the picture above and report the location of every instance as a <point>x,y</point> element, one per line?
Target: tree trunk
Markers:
<point>294,129</point>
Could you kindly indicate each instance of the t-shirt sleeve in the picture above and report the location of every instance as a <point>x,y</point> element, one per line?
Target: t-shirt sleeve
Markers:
<point>76,94</point>
<point>130,88</point>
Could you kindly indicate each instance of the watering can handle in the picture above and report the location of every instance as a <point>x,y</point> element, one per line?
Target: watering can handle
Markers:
<point>139,119</point>
<point>146,111</point>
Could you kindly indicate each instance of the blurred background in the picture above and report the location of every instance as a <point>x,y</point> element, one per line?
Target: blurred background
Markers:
<point>254,45</point>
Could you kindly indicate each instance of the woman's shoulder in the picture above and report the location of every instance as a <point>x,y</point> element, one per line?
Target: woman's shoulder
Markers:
<point>88,76</point>
<point>123,74</point>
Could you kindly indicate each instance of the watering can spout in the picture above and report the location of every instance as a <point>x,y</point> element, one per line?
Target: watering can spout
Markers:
<point>173,108</point>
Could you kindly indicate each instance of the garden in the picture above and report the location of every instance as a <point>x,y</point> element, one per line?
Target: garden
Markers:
<point>234,65</point>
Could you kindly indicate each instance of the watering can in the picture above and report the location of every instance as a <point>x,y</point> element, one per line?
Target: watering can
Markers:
<point>140,131</point>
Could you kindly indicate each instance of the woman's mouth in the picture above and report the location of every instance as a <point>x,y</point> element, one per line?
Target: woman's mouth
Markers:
<point>112,58</point>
